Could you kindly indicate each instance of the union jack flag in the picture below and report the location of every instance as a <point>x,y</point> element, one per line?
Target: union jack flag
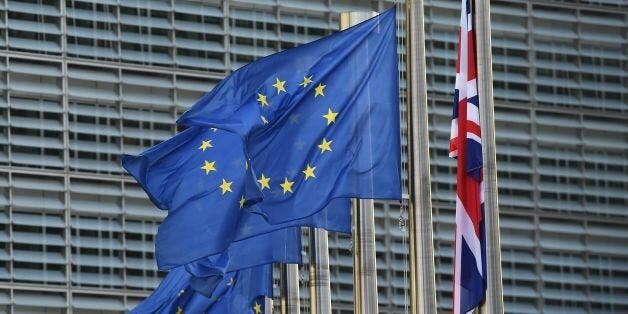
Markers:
<point>466,145</point>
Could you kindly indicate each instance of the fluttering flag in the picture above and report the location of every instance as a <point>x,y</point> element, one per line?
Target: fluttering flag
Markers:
<point>197,286</point>
<point>202,220</point>
<point>279,246</point>
<point>466,145</point>
<point>199,176</point>
<point>319,121</point>
<point>242,291</point>
<point>247,295</point>
<point>162,300</point>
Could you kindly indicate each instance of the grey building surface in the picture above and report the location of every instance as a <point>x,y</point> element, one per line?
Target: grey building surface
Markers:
<point>83,81</point>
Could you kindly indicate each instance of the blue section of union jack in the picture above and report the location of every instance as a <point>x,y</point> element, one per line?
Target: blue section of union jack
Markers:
<point>466,145</point>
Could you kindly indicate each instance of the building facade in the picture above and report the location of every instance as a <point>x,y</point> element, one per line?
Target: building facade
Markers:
<point>84,81</point>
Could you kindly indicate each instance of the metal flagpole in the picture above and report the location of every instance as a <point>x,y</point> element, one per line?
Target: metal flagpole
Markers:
<point>290,303</point>
<point>268,305</point>
<point>422,276</point>
<point>364,255</point>
<point>364,269</point>
<point>357,279</point>
<point>320,288</point>
<point>494,302</point>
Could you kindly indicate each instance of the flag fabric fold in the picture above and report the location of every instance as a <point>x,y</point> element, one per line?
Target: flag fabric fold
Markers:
<point>197,286</point>
<point>278,246</point>
<point>162,300</point>
<point>201,222</point>
<point>466,145</point>
<point>247,294</point>
<point>198,176</point>
<point>241,291</point>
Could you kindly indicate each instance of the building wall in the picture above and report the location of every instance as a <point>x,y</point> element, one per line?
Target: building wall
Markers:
<point>83,82</point>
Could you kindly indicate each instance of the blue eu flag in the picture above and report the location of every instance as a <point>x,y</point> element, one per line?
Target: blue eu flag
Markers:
<point>248,292</point>
<point>184,175</point>
<point>200,177</point>
<point>318,122</point>
<point>278,246</point>
<point>162,300</point>
<point>334,217</point>
<point>242,291</point>
<point>196,286</point>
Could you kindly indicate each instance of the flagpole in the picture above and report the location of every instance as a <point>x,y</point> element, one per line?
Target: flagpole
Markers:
<point>422,276</point>
<point>494,302</point>
<point>320,288</point>
<point>357,279</point>
<point>364,267</point>
<point>290,303</point>
<point>268,305</point>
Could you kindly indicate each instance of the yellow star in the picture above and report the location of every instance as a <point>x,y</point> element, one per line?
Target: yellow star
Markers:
<point>309,172</point>
<point>318,91</point>
<point>264,182</point>
<point>179,310</point>
<point>242,200</point>
<point>262,99</point>
<point>209,167</point>
<point>206,144</point>
<point>264,120</point>
<point>225,186</point>
<point>330,116</point>
<point>306,81</point>
<point>287,186</point>
<point>279,85</point>
<point>325,145</point>
<point>257,308</point>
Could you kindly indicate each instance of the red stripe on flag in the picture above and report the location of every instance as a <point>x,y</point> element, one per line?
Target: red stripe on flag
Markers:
<point>472,127</point>
<point>471,72</point>
<point>467,188</point>
<point>453,146</point>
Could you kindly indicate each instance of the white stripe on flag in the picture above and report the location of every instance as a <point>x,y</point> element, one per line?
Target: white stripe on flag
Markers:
<point>461,87</point>
<point>472,88</point>
<point>464,226</point>
<point>454,128</point>
<point>469,22</point>
<point>474,137</point>
<point>473,114</point>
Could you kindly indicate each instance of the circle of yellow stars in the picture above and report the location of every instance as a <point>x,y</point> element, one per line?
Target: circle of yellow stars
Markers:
<point>325,146</point>
<point>309,172</point>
